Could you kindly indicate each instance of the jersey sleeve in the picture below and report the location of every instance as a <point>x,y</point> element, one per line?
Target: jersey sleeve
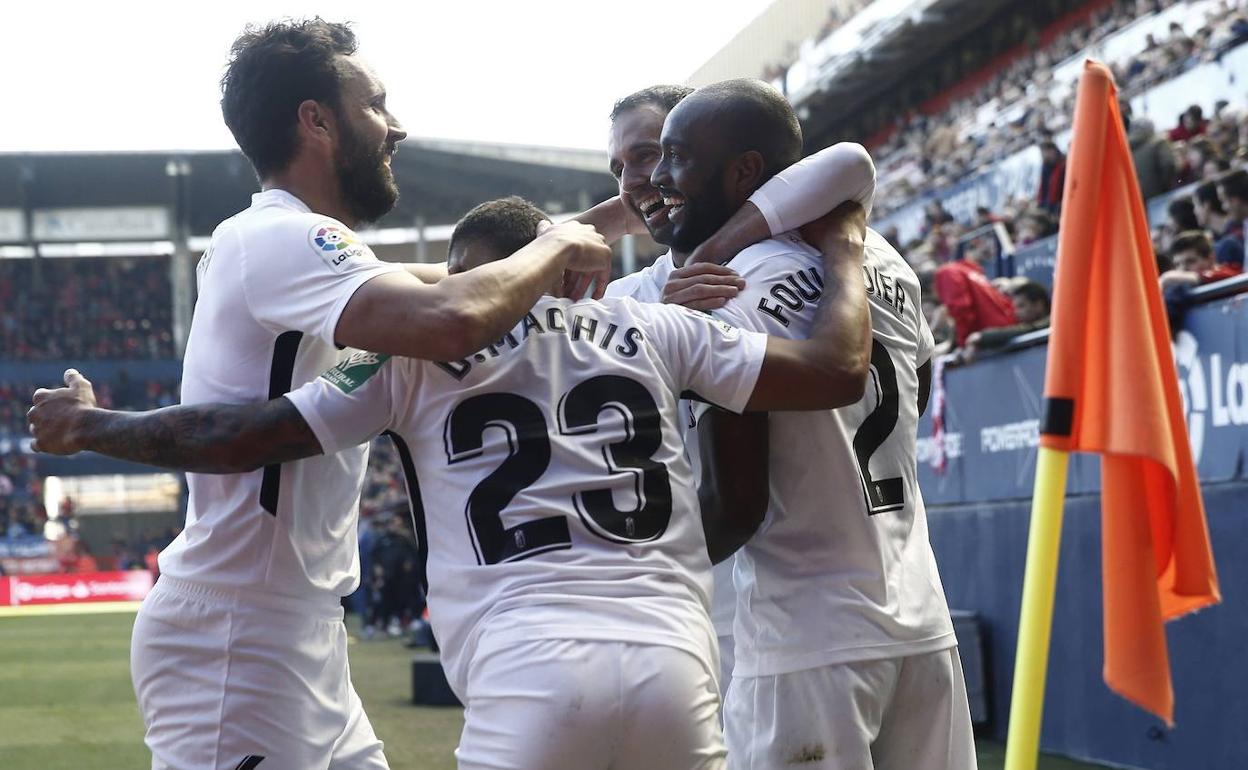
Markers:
<point>815,185</point>
<point>351,403</point>
<point>301,274</point>
<point>708,359</point>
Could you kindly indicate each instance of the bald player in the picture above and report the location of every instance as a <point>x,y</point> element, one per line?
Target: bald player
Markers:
<point>797,195</point>
<point>845,653</point>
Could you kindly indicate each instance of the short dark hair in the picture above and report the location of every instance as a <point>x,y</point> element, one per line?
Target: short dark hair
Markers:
<point>1032,292</point>
<point>1189,240</point>
<point>271,71</point>
<point>755,116</point>
<point>506,225</point>
<point>663,96</point>
<point>1235,184</point>
<point>1207,194</point>
<point>1183,212</point>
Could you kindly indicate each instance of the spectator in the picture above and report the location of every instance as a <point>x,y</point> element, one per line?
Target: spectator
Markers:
<point>1210,215</point>
<point>1034,226</point>
<point>1233,190</point>
<point>1031,307</point>
<point>1214,168</point>
<point>85,561</point>
<point>1154,159</point>
<point>1194,264</point>
<point>392,550</point>
<point>1052,178</point>
<point>969,298</point>
<point>1182,214</point>
<point>86,309</point>
<point>1191,123</point>
<point>934,215</point>
<point>984,217</point>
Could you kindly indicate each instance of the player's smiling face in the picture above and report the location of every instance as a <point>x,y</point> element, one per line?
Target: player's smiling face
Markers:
<point>633,150</point>
<point>369,137</point>
<point>690,177</point>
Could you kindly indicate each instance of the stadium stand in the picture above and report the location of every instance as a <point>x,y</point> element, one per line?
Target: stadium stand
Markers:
<point>85,309</point>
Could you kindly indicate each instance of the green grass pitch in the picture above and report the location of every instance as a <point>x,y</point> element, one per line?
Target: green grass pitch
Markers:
<point>66,701</point>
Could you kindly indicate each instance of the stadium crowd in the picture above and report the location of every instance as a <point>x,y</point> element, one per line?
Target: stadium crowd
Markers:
<point>22,510</point>
<point>102,308</point>
<point>928,152</point>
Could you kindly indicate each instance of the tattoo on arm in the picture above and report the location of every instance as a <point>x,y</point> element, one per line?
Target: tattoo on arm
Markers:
<point>204,438</point>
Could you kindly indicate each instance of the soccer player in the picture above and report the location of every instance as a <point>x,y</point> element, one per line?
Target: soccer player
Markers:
<point>239,655</point>
<point>568,572</point>
<point>795,196</point>
<point>845,653</point>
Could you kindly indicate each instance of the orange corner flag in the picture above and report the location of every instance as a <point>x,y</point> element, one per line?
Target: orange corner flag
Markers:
<point>1111,388</point>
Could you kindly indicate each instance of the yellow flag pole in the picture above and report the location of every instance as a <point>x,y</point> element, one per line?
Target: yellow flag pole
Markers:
<point>1035,623</point>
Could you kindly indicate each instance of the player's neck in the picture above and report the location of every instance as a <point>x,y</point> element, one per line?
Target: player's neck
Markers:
<point>316,194</point>
<point>679,258</point>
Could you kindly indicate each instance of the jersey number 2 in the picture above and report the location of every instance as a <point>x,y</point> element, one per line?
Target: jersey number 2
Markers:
<point>528,457</point>
<point>887,494</point>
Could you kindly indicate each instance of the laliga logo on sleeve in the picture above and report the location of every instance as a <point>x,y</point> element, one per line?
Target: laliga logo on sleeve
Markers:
<point>1193,389</point>
<point>335,243</point>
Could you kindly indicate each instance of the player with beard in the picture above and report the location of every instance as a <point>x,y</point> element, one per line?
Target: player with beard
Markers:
<point>844,644</point>
<point>239,654</point>
<point>794,197</point>
<point>567,565</point>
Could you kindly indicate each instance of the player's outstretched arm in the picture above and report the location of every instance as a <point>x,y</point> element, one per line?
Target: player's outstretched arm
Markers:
<point>829,370</point>
<point>795,197</point>
<point>397,314</point>
<point>613,219</point>
<point>735,484</point>
<point>205,438</point>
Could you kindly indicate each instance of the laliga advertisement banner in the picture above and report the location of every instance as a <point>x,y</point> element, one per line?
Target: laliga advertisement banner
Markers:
<point>23,590</point>
<point>987,448</point>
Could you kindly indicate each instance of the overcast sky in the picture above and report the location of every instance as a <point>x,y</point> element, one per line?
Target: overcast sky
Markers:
<point>136,75</point>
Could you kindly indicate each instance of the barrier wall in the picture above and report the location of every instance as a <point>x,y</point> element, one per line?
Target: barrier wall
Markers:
<point>75,588</point>
<point>992,414</point>
<point>978,508</point>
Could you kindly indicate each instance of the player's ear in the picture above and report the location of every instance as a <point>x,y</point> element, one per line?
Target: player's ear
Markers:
<point>746,172</point>
<point>315,120</point>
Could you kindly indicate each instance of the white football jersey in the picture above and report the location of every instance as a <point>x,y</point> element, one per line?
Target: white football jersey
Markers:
<point>272,285</point>
<point>646,285</point>
<point>552,494</point>
<point>841,568</point>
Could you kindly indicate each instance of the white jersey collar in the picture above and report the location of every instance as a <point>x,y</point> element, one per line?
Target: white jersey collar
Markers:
<point>279,197</point>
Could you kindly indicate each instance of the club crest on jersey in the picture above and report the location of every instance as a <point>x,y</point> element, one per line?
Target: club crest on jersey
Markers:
<point>335,243</point>
<point>355,370</point>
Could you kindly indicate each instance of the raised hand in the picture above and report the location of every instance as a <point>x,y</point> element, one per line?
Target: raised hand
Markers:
<point>56,417</point>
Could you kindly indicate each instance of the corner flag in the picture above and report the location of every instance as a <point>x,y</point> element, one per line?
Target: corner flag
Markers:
<point>1111,388</point>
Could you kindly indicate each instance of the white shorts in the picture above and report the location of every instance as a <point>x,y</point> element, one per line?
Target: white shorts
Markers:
<point>558,704</point>
<point>906,713</point>
<point>229,679</point>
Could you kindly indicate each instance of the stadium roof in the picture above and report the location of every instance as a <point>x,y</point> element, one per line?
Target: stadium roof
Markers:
<point>878,53</point>
<point>439,180</point>
<point>891,47</point>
